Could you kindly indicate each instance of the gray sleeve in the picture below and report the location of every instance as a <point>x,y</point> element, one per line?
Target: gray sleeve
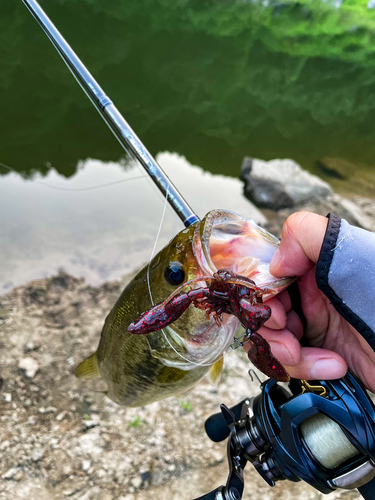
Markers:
<point>345,273</point>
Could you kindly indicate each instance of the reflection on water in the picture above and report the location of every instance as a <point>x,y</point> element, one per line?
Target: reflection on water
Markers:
<point>99,234</point>
<point>213,81</point>
<point>210,80</point>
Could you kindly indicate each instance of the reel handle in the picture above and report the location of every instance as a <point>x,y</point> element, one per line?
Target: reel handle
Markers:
<point>217,428</point>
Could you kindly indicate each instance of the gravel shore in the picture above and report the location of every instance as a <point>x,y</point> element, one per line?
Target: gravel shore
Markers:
<point>61,438</point>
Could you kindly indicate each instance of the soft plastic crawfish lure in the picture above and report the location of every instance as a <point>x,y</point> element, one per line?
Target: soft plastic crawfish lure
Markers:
<point>228,293</point>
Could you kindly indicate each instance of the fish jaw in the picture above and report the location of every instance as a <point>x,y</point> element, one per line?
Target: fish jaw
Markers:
<point>202,348</point>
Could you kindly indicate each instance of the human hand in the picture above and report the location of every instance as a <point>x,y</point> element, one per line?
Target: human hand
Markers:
<point>335,344</point>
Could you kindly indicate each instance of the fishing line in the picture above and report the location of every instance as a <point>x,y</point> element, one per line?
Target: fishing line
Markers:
<point>90,188</point>
<point>176,291</point>
<point>156,242</point>
<point>149,287</point>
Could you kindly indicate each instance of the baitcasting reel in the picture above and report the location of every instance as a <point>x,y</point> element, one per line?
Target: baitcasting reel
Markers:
<point>322,432</point>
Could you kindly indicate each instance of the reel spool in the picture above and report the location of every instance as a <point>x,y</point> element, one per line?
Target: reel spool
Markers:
<point>322,433</point>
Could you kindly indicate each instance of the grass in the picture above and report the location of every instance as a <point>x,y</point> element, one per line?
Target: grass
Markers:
<point>136,422</point>
<point>185,405</point>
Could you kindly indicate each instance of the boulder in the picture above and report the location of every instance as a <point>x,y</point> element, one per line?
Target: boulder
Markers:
<point>277,184</point>
<point>358,212</point>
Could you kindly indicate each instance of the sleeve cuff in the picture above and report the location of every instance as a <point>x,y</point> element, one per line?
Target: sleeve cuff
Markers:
<point>322,271</point>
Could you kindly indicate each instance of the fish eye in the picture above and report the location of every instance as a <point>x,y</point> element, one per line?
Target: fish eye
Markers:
<point>174,273</point>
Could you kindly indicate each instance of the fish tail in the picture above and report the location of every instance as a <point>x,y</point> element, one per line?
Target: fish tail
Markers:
<point>88,369</point>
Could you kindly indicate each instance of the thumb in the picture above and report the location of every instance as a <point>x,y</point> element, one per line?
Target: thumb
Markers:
<point>301,241</point>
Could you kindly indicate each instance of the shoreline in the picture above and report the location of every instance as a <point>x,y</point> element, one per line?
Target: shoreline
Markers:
<point>61,438</point>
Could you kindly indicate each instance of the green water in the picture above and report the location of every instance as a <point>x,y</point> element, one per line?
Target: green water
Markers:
<point>211,80</point>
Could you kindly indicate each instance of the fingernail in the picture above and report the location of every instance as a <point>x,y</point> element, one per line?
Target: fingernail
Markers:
<point>275,259</point>
<point>275,324</point>
<point>327,369</point>
<point>281,353</point>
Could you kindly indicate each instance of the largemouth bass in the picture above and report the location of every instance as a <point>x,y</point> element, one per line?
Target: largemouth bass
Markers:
<point>139,370</point>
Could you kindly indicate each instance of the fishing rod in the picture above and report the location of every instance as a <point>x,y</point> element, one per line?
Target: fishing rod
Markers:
<point>281,433</point>
<point>111,115</point>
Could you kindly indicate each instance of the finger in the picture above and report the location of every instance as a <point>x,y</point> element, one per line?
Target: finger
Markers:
<point>284,345</point>
<point>284,297</point>
<point>294,324</point>
<point>301,241</point>
<point>318,364</point>
<point>319,313</point>
<point>277,321</point>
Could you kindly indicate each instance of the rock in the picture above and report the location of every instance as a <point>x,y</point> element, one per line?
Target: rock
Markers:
<point>61,416</point>
<point>34,294</point>
<point>50,409</point>
<point>157,477</point>
<point>246,167</point>
<point>356,212</point>
<point>136,482</point>
<point>19,475</point>
<point>37,454</point>
<point>4,314</point>
<point>29,366</point>
<point>31,420</point>
<point>8,397</point>
<point>31,346</point>
<point>31,489</point>
<point>280,184</point>
<point>100,473</point>
<point>9,474</point>
<point>353,213</point>
<point>216,457</point>
<point>4,445</point>
<point>86,464</point>
<point>91,422</point>
<point>66,470</point>
<point>94,493</point>
<point>89,444</point>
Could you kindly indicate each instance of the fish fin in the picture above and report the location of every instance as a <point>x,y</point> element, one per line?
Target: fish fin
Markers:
<point>88,369</point>
<point>214,373</point>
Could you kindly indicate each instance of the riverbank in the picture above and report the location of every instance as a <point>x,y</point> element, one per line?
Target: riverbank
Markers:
<point>60,438</point>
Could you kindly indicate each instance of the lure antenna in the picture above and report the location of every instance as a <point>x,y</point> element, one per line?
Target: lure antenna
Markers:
<point>110,114</point>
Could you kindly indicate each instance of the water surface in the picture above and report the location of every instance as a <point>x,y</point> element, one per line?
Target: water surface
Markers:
<point>100,233</point>
<point>211,81</point>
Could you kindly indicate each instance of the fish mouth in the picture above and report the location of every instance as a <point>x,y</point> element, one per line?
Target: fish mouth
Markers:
<point>223,239</point>
<point>226,240</point>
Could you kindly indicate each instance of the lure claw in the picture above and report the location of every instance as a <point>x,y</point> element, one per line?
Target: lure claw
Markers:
<point>160,315</point>
<point>261,356</point>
